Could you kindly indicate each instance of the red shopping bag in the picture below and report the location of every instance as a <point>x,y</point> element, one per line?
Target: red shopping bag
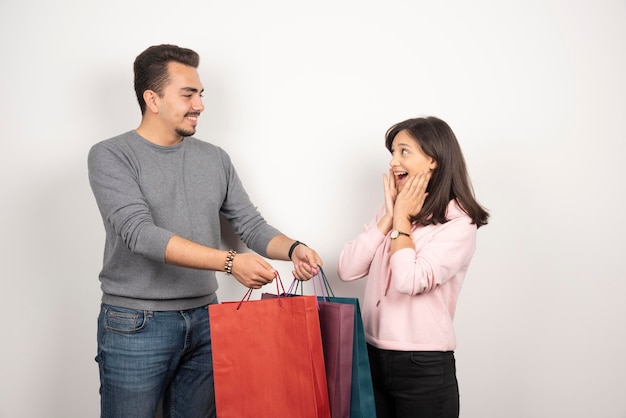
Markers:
<point>268,359</point>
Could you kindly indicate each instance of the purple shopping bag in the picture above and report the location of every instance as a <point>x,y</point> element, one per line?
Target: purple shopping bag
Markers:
<point>337,329</point>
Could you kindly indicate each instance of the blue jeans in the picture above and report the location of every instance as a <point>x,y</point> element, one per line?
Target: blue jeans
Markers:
<point>146,356</point>
<point>414,383</point>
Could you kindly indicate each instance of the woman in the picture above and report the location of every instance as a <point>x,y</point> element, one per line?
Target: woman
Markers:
<point>416,252</point>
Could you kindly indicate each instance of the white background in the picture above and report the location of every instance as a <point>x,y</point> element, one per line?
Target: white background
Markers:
<point>300,95</point>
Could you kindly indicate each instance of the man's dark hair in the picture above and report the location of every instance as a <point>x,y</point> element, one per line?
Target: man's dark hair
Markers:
<point>151,68</point>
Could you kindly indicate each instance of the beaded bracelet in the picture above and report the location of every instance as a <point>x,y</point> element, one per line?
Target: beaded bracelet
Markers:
<point>228,267</point>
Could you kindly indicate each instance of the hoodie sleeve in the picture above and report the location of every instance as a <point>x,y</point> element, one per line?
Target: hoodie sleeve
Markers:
<point>356,256</point>
<point>436,257</point>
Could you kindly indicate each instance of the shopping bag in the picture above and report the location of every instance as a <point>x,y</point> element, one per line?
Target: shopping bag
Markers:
<point>337,326</point>
<point>362,404</point>
<point>337,330</point>
<point>268,359</point>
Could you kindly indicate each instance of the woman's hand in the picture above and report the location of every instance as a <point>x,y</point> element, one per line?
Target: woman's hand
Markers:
<point>389,184</point>
<point>389,187</point>
<point>410,200</point>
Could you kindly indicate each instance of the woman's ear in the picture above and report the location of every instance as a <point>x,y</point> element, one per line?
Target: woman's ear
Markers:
<point>433,164</point>
<point>151,99</point>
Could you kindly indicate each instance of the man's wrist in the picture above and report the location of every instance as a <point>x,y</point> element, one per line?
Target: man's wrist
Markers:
<point>293,247</point>
<point>228,265</point>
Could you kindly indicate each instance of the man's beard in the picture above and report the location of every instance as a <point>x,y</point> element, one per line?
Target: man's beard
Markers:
<point>185,132</point>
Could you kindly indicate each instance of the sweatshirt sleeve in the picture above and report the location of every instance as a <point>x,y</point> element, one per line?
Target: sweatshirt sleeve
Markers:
<point>436,259</point>
<point>114,180</point>
<point>356,256</point>
<point>246,220</point>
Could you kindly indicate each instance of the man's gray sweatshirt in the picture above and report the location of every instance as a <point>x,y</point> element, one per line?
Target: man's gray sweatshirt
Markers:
<point>146,194</point>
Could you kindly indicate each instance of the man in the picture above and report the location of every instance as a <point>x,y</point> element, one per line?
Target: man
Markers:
<point>161,192</point>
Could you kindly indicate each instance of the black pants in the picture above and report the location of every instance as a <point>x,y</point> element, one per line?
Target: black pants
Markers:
<point>414,383</point>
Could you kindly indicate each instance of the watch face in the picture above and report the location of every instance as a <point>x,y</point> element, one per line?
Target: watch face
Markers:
<point>394,234</point>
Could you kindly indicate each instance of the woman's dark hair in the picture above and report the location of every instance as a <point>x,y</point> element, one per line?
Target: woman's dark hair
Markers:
<point>151,68</point>
<point>450,179</point>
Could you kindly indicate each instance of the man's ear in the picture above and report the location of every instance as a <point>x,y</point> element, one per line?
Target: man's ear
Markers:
<point>151,99</point>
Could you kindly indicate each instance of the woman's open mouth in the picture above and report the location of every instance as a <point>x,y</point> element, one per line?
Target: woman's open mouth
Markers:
<point>401,175</point>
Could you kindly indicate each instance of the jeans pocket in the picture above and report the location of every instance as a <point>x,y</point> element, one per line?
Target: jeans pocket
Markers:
<point>123,320</point>
<point>428,368</point>
<point>427,359</point>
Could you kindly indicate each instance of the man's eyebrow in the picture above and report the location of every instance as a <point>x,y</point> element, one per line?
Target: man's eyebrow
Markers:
<point>191,89</point>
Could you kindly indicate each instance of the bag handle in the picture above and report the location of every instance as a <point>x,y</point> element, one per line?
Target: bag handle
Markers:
<point>246,297</point>
<point>325,281</point>
<point>293,287</point>
<point>322,281</point>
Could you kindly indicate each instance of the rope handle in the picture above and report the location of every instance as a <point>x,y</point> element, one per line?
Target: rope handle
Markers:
<point>246,297</point>
<point>322,281</point>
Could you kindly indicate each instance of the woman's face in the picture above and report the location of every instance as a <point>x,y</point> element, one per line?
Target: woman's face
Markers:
<point>408,159</point>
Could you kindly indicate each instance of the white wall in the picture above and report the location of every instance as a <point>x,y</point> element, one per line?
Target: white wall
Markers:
<point>300,95</point>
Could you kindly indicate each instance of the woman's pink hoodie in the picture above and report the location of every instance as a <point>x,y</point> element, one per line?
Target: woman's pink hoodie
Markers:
<point>410,297</point>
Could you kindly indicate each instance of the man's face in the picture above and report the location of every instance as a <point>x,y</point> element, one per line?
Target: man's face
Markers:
<point>181,102</point>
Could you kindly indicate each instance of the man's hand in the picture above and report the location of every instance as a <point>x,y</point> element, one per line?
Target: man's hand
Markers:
<point>252,271</point>
<point>305,262</point>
